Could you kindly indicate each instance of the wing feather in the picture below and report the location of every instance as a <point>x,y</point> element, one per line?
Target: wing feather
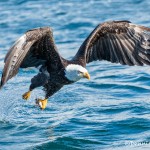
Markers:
<point>115,47</point>
<point>118,42</point>
<point>36,47</point>
<point>13,59</point>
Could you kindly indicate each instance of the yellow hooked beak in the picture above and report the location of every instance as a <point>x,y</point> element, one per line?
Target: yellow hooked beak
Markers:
<point>86,75</point>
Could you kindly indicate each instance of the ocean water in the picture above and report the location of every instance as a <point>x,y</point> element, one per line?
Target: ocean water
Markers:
<point>111,111</point>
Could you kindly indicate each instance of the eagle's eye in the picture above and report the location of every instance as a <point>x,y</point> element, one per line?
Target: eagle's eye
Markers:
<point>80,72</point>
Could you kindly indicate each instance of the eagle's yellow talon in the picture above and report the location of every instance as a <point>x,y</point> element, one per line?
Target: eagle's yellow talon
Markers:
<point>26,95</point>
<point>42,103</point>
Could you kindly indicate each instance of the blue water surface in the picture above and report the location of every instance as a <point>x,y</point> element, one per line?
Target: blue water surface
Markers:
<point>111,111</point>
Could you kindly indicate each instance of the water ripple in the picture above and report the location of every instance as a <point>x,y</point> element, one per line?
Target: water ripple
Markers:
<point>109,112</point>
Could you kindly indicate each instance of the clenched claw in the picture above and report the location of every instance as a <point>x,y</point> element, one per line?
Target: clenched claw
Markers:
<point>42,103</point>
<point>26,95</point>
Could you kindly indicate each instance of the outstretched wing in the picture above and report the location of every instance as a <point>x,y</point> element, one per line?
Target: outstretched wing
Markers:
<point>34,48</point>
<point>117,42</point>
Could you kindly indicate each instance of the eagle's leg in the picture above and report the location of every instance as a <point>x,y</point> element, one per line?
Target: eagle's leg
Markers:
<point>50,89</point>
<point>39,80</point>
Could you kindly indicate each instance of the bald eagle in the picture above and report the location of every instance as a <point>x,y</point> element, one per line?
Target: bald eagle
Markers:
<point>115,41</point>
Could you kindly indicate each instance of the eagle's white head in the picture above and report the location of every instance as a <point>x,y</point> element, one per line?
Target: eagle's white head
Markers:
<point>75,72</point>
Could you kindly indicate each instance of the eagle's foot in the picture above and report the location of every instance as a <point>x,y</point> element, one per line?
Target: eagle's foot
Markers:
<point>42,103</point>
<point>26,95</point>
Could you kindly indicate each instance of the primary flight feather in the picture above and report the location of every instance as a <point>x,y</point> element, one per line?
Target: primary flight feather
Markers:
<point>115,41</point>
